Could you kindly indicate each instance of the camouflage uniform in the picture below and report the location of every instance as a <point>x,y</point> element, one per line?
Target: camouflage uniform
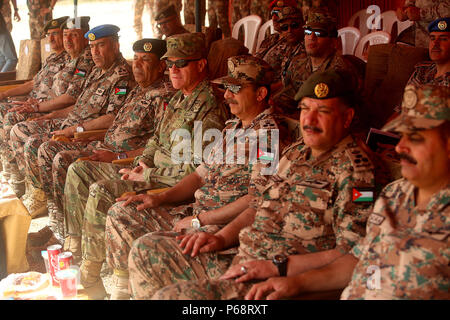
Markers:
<point>6,13</point>
<point>224,184</point>
<point>133,126</point>
<point>37,21</point>
<point>425,72</point>
<point>139,6</point>
<point>92,187</point>
<point>321,188</point>
<point>240,9</point>
<point>189,11</point>
<point>218,16</point>
<point>429,11</point>
<point>412,256</point>
<point>260,8</point>
<point>98,97</point>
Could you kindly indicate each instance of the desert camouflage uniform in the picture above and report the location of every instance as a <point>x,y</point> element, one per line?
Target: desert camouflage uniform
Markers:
<point>6,13</point>
<point>38,21</point>
<point>139,6</point>
<point>299,70</point>
<point>424,73</point>
<point>306,207</point>
<point>98,98</point>
<point>430,10</point>
<point>218,15</point>
<point>133,126</point>
<point>240,9</point>
<point>68,80</point>
<point>92,187</point>
<point>413,257</point>
<point>189,11</point>
<point>224,183</point>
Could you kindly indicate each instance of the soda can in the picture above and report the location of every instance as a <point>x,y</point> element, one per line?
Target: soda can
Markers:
<point>65,260</point>
<point>53,251</point>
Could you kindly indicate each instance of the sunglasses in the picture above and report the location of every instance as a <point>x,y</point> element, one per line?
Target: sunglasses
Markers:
<point>274,12</point>
<point>317,33</point>
<point>285,27</point>
<point>233,88</point>
<point>181,63</point>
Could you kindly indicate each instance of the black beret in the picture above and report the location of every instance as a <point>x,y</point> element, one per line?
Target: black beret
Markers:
<point>155,46</point>
<point>55,23</point>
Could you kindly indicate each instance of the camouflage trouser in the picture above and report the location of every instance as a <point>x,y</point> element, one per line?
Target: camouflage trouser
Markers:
<point>156,261</point>
<point>189,11</point>
<point>91,189</point>
<point>126,224</point>
<point>26,137</point>
<point>54,158</point>
<point>37,23</point>
<point>139,6</point>
<point>6,13</point>
<point>218,15</point>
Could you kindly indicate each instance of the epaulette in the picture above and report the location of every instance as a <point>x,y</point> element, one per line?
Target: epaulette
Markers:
<point>268,123</point>
<point>122,71</point>
<point>359,160</point>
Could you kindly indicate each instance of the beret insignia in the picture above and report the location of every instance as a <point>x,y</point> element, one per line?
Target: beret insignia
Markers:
<point>442,25</point>
<point>321,90</point>
<point>148,47</point>
<point>91,36</point>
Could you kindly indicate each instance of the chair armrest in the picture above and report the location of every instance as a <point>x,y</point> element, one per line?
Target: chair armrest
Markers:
<point>61,138</point>
<point>123,161</point>
<point>98,134</point>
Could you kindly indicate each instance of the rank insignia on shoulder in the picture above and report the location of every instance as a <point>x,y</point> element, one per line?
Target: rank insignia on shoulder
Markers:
<point>145,102</point>
<point>100,91</point>
<point>120,91</point>
<point>80,72</point>
<point>362,195</point>
<point>317,184</point>
<point>376,219</point>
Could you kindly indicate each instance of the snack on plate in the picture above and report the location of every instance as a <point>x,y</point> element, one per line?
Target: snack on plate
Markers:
<point>20,283</point>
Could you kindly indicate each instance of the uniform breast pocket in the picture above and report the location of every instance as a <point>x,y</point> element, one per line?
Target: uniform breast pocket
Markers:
<point>98,99</point>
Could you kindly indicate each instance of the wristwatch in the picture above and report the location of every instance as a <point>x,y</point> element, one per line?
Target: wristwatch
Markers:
<point>195,222</point>
<point>280,261</point>
<point>80,128</point>
<point>122,155</point>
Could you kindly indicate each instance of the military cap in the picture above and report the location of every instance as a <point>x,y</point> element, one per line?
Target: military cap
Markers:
<point>102,31</point>
<point>55,23</point>
<point>155,46</point>
<point>165,12</point>
<point>319,18</point>
<point>247,69</point>
<point>326,85</point>
<point>186,46</point>
<point>282,3</point>
<point>440,25</point>
<point>288,12</point>
<point>76,23</point>
<point>423,107</point>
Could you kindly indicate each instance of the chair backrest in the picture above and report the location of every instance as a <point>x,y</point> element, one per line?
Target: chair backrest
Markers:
<point>403,25</point>
<point>361,16</point>
<point>251,25</point>
<point>388,19</point>
<point>349,38</point>
<point>377,37</point>
<point>262,32</point>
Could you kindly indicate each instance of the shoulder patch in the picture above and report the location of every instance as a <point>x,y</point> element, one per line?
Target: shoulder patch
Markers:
<point>376,219</point>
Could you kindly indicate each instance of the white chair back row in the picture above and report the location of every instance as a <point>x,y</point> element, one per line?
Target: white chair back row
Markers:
<point>251,26</point>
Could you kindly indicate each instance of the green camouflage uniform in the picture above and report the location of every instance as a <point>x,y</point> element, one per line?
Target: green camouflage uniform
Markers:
<point>92,187</point>
<point>189,11</point>
<point>425,72</point>
<point>320,188</point>
<point>98,98</point>
<point>218,16</point>
<point>69,80</point>
<point>224,184</point>
<point>413,256</point>
<point>134,124</point>
<point>38,21</point>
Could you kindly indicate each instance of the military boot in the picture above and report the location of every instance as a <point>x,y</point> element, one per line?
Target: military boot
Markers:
<point>91,280</point>
<point>73,244</point>
<point>120,285</point>
<point>16,179</point>
<point>36,239</point>
<point>36,202</point>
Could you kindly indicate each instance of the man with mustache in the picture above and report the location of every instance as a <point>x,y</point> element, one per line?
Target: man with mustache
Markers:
<point>134,124</point>
<point>168,20</point>
<point>92,187</point>
<point>220,189</point>
<point>306,215</point>
<point>405,254</point>
<point>436,71</point>
<point>320,38</point>
<point>102,95</point>
<point>64,91</point>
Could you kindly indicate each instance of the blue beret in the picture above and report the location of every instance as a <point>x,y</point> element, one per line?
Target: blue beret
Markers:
<point>440,25</point>
<point>105,30</point>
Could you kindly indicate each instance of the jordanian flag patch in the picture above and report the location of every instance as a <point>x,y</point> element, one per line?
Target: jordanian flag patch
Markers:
<point>362,195</point>
<point>121,91</point>
<point>263,155</point>
<point>80,72</point>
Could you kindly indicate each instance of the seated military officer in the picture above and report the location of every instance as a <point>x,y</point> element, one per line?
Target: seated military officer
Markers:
<point>306,215</point>
<point>405,254</point>
<point>168,21</point>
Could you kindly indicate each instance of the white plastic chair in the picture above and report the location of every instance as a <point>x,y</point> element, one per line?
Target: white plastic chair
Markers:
<point>362,15</point>
<point>262,32</point>
<point>403,25</point>
<point>388,19</point>
<point>377,37</point>
<point>349,38</point>
<point>251,25</point>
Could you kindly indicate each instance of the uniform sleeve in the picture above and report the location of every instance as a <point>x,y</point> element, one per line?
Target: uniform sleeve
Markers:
<point>350,216</point>
<point>76,85</point>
